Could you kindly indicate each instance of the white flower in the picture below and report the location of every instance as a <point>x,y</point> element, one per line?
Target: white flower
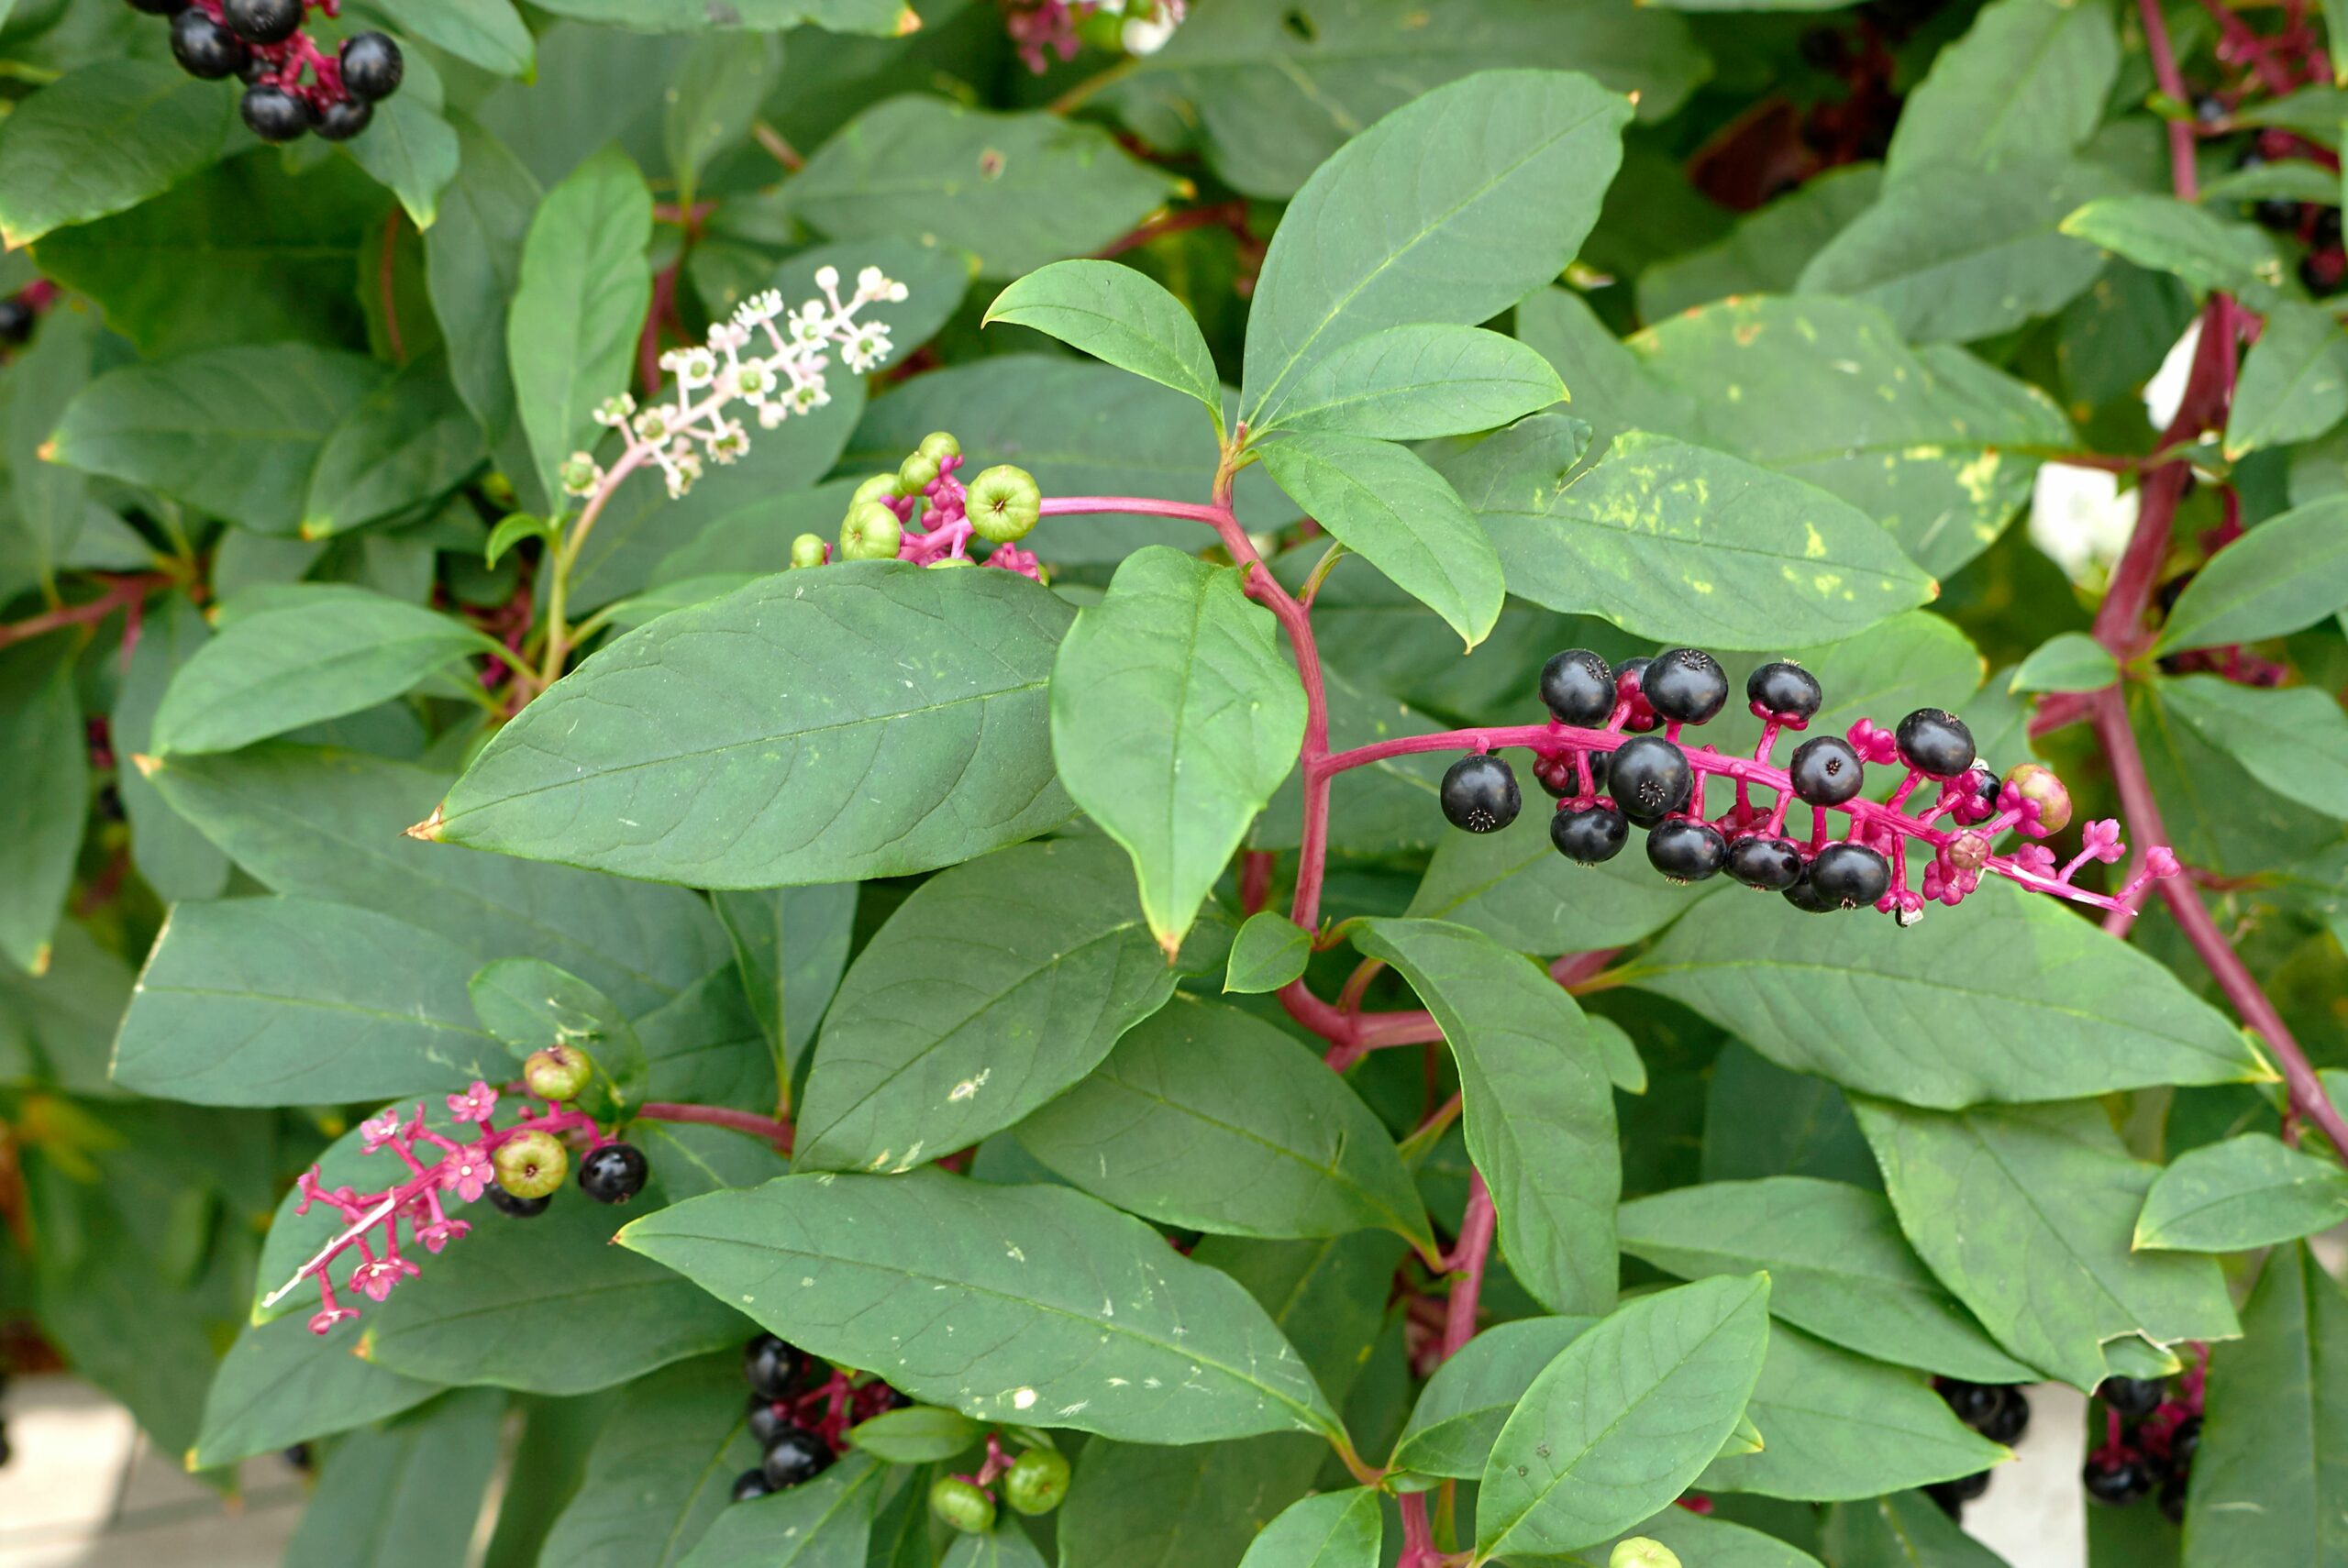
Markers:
<point>2080,517</point>
<point>693,367</point>
<point>615,410</point>
<point>763,306</point>
<point>651,426</point>
<point>828,278</point>
<point>2165,393</point>
<point>730,442</point>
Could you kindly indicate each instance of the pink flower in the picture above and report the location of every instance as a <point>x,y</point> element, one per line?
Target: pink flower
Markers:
<point>466,1171</point>
<point>374,1278</point>
<point>2036,858</point>
<point>325,1318</point>
<point>2101,839</point>
<point>1873,741</point>
<point>380,1129</point>
<point>478,1103</point>
<point>438,1234</point>
<point>2162,862</point>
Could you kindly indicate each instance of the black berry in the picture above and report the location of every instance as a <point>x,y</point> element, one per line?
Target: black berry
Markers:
<point>1590,835</point>
<point>773,1367</point>
<point>1934,741</point>
<point>2133,1398</point>
<point>768,1419</point>
<point>262,21</point>
<point>2010,1419</point>
<point>1972,1403</point>
<point>795,1456</point>
<point>1850,876</point>
<point>1805,896</point>
<point>1479,794</point>
<point>2171,1501</point>
<point>344,118</point>
<point>1650,778</point>
<point>159,7</point>
<point>612,1174</point>
<point>1577,688</point>
<point>372,66</point>
<point>1686,684</point>
<point>274,115</point>
<point>1976,795</point>
<point>1770,864</point>
<point>1629,678</point>
<point>205,49</point>
<point>1951,1495</point>
<point>1686,850</point>
<point>506,1202</point>
<point>2118,1482</point>
<point>1783,691</point>
<point>1825,770</point>
<point>16,321</point>
<point>2183,1444</point>
<point>751,1484</point>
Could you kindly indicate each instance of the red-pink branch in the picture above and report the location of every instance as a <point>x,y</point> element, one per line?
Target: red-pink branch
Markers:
<point>766,1127</point>
<point>121,592</point>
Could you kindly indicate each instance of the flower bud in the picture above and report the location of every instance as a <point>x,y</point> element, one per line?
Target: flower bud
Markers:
<point>557,1073</point>
<point>917,474</point>
<point>880,486</point>
<point>940,445</point>
<point>530,1164</point>
<point>1003,504</point>
<point>807,550</point>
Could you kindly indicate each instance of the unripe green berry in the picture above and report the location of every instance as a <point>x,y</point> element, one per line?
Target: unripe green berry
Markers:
<point>962,1504</point>
<point>880,486</point>
<point>871,533</point>
<point>807,550</point>
<point>1003,504</point>
<point>1036,1482</point>
<point>940,445</point>
<point>531,1164</point>
<point>1641,1551</point>
<point>917,474</point>
<point>952,561</point>
<point>557,1073</point>
<point>2037,782</point>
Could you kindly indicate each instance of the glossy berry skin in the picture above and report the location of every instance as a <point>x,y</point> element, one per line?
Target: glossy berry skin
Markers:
<point>1977,796</point>
<point>612,1174</point>
<point>15,323</point>
<point>1934,741</point>
<point>1825,771</point>
<point>2171,1501</point>
<point>1951,1495</point>
<point>2118,1482</point>
<point>342,120</point>
<point>751,1484</point>
<point>1591,835</point>
<point>1686,851</point>
<point>2183,1444</point>
<point>506,1202</point>
<point>1036,1482</point>
<point>1686,684</point>
<point>1772,865</point>
<point>795,1456</point>
<point>962,1504</point>
<point>160,8</point>
<point>1650,778</point>
<point>1972,1403</point>
<point>262,21</point>
<point>1479,794</point>
<point>2010,1419</point>
<point>205,48</point>
<point>2133,1398</point>
<point>1577,688</point>
<point>372,66</point>
<point>1783,691</point>
<point>1805,896</point>
<point>768,1419</point>
<point>774,1368</point>
<point>1850,876</point>
<point>274,115</point>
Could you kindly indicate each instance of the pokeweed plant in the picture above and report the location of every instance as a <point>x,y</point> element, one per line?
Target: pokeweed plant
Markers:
<point>904,569</point>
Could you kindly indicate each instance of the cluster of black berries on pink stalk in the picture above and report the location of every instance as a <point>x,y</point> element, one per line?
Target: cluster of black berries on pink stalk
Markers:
<point>1609,772</point>
<point>2151,1433</point>
<point>263,43</point>
<point>1999,1412</point>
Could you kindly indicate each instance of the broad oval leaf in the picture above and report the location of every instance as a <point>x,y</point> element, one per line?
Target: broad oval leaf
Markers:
<point>660,1472</point>
<point>733,743</point>
<point>2283,575</point>
<point>1714,1543</point>
<point>791,947</point>
<point>2068,661</point>
<point>472,259</point>
<point>2246,1192</point>
<point>1906,1529</point>
<point>103,139</point>
<point>2294,383</point>
<point>42,809</point>
<point>408,442</point>
<point>2028,79</point>
<point>1460,1412</point>
<point>489,33</point>
<point>1269,950</point>
<point>2294,740</point>
<point>411,150</point>
<point>280,1385</point>
<point>917,1435</point>
<point>1334,1529</point>
<point>530,1004</point>
<point>822,1523</point>
<point>1410,383</point>
<point>413,1486</point>
<point>1033,1304</point>
<point>1115,312</point>
<point>2162,234</point>
<point>177,859</point>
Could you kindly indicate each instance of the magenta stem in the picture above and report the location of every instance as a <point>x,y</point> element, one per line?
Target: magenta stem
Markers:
<point>756,1126</point>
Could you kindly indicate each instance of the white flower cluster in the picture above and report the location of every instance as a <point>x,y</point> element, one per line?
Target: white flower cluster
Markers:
<point>777,379</point>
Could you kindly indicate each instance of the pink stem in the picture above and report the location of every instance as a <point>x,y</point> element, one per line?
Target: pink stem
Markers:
<point>767,1127</point>
<point>2172,82</point>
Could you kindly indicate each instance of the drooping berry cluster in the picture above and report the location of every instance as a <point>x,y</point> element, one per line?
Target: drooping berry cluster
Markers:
<point>800,1413</point>
<point>925,514</point>
<point>1039,29</point>
<point>1609,772</point>
<point>2151,1433</point>
<point>1999,1412</point>
<point>264,44</point>
<point>2313,223</point>
<point>1033,1482</point>
<point>519,1167</point>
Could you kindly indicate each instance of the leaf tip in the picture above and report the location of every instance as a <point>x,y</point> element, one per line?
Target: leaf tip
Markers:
<point>429,830</point>
<point>907,22</point>
<point>314,528</point>
<point>47,450</point>
<point>188,1462</point>
<point>365,1349</point>
<point>147,766</point>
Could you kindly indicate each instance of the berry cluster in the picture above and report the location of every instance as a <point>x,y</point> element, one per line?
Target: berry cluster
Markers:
<point>924,515</point>
<point>263,43</point>
<point>1609,772</point>
<point>2314,225</point>
<point>800,1413</point>
<point>1999,1412</point>
<point>2150,1436</point>
<point>1034,1483</point>
<point>519,1167</point>
<point>1039,29</point>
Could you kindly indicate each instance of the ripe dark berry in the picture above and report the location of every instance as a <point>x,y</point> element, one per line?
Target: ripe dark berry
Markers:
<point>1628,679</point>
<point>1783,691</point>
<point>1772,865</point>
<point>795,1456</point>
<point>1650,778</point>
<point>372,66</point>
<point>1686,850</point>
<point>2010,1419</point>
<point>160,8</point>
<point>1825,770</point>
<point>205,49</point>
<point>16,321</point>
<point>1934,741</point>
<point>346,117</point>
<point>751,1484</point>
<point>1560,777</point>
<point>1590,835</point>
<point>2183,1444</point>
<point>1951,1495</point>
<point>1850,876</point>
<point>506,1202</point>
<point>262,21</point>
<point>1972,1403</point>
<point>1686,684</point>
<point>2133,1398</point>
<point>2117,1482</point>
<point>612,1174</point>
<point>1479,794</point>
<point>2171,1501</point>
<point>1578,687</point>
<point>274,115</point>
<point>1977,800</point>
<point>768,1419</point>
<point>773,1367</point>
<point>1805,896</point>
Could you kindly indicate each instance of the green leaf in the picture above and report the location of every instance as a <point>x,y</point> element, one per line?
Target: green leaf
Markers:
<point>2273,1465</point>
<point>407,1491</point>
<point>472,260</point>
<point>1766,250</point>
<point>1837,1266</point>
<point>1115,314</point>
<point>1016,191</point>
<point>1064,1311</point>
<point>1208,1118</point>
<point>880,16</point>
<point>42,809</point>
<point>791,946</point>
<point>1269,950</point>
<point>1379,810</point>
<point>2246,1192</point>
<point>1945,1002</point>
<point>2293,384</point>
<point>1712,1542</point>
<point>2166,234</point>
<point>489,33</point>
<point>1837,1425</point>
<point>2218,815</point>
<point>2286,179</point>
<point>941,1035</point>
<point>578,303</point>
<point>661,1471</point>
<point>50,502</point>
<point>1388,507</point>
<point>236,432</point>
<point>411,150</point>
<point>664,756</point>
<point>1448,210</point>
<point>1516,888</point>
<point>516,527</point>
<point>1410,383</point>
<point>2067,661</point>
<point>1539,1114</point>
<point>530,1004</point>
<point>1334,1529</point>
<point>822,1523</point>
<point>291,1001</point>
<point>711,101</point>
<point>280,1385</point>
<point>1670,541</point>
<point>1624,1419</point>
<point>917,1435</point>
<point>2293,739</point>
<point>2050,1281</point>
<point>1460,1412</point>
<point>1175,716</point>
<point>103,139</point>
<point>2028,80</point>
<point>1005,1546</point>
<point>169,848</point>
<point>405,443</point>
<point>2283,575</point>
<point>1906,1529</point>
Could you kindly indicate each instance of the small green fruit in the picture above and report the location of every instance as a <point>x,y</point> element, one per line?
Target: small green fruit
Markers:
<point>880,486</point>
<point>1036,1482</point>
<point>917,474</point>
<point>557,1073</point>
<point>1003,504</point>
<point>807,550</point>
<point>951,561</point>
<point>530,1165</point>
<point>871,533</point>
<point>1641,1551</point>
<point>940,445</point>
<point>962,1504</point>
<point>2038,783</point>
